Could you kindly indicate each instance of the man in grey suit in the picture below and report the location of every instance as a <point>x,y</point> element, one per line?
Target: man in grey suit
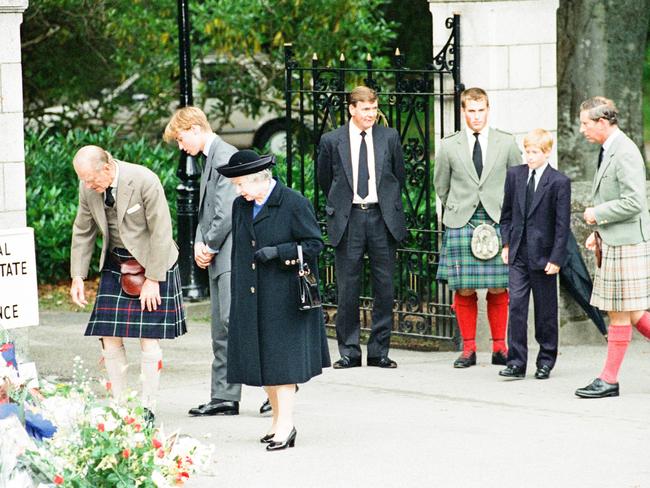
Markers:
<point>469,177</point>
<point>189,127</point>
<point>361,171</point>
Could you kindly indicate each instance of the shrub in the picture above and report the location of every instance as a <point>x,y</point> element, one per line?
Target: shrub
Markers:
<point>52,188</point>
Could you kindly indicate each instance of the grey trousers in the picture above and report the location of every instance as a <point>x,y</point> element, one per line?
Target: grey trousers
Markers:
<point>220,389</point>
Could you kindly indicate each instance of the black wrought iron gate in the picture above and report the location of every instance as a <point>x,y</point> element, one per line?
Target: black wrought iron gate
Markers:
<point>316,103</point>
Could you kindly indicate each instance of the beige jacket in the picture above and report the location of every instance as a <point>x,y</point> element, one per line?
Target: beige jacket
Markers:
<point>457,183</point>
<point>142,217</point>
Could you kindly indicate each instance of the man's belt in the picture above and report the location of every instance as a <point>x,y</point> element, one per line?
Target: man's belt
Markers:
<point>365,206</point>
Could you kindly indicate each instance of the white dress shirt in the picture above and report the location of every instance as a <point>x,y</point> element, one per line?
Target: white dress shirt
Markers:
<point>114,183</point>
<point>355,146</point>
<point>482,140</point>
<point>209,140</point>
<point>608,143</point>
<point>538,174</point>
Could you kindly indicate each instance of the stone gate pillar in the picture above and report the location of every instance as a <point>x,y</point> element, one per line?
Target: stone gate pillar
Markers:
<point>12,151</point>
<point>508,48</point>
<point>18,292</point>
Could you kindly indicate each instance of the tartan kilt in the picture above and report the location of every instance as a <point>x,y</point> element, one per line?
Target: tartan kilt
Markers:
<point>458,266</point>
<point>622,283</point>
<point>116,314</point>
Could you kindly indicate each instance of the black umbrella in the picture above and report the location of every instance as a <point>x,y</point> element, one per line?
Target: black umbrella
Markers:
<point>575,278</point>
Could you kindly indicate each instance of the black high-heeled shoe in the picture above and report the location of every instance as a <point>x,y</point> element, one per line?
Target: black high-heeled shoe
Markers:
<point>290,441</point>
<point>267,439</point>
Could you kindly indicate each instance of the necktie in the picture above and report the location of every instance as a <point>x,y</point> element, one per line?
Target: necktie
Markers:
<point>600,156</point>
<point>530,191</point>
<point>108,197</point>
<point>363,175</point>
<point>477,156</point>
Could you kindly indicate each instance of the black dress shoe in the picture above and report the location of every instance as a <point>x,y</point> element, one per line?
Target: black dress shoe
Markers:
<point>598,389</point>
<point>465,361</point>
<point>513,371</point>
<point>216,407</point>
<point>382,362</point>
<point>267,439</point>
<point>543,372</point>
<point>347,362</point>
<point>499,358</point>
<point>266,406</point>
<point>149,417</point>
<point>288,442</point>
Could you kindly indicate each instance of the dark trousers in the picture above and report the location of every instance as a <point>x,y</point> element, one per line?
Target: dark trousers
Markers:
<point>366,232</point>
<point>544,287</point>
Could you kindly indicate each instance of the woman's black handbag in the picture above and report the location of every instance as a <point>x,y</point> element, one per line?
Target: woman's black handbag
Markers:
<point>309,295</point>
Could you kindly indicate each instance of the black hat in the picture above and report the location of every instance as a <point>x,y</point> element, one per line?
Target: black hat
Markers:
<point>246,162</point>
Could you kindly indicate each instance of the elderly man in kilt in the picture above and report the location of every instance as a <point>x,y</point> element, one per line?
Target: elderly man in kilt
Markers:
<point>620,214</point>
<point>469,177</point>
<point>126,203</point>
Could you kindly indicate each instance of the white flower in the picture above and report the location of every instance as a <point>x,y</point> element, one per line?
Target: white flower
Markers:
<point>159,480</point>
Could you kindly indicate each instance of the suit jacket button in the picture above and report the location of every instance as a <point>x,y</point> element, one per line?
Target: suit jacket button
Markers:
<point>253,243</point>
<point>293,261</point>
<point>287,262</point>
<point>253,266</point>
<point>252,289</point>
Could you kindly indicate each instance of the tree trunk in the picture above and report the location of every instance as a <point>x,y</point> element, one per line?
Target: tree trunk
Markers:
<point>600,51</point>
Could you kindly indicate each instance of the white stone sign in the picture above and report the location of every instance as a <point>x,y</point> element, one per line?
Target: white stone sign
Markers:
<point>18,290</point>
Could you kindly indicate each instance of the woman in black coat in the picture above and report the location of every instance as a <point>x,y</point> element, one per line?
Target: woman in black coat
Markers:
<point>271,342</point>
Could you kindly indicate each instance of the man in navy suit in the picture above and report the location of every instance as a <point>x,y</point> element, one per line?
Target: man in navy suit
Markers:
<point>361,172</point>
<point>534,229</point>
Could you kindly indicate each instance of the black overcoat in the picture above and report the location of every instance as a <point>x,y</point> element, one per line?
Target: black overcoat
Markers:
<point>270,341</point>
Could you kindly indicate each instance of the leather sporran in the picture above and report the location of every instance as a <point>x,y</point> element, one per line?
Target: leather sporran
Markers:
<point>132,277</point>
<point>308,292</point>
<point>598,249</point>
<point>485,242</point>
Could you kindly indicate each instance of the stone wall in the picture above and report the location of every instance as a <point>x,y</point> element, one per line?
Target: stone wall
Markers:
<point>12,152</point>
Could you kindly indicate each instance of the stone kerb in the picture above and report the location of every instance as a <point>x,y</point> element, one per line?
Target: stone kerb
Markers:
<point>12,152</point>
<point>507,47</point>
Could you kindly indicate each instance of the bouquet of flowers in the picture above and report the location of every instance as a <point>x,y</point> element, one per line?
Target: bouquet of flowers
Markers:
<point>100,443</point>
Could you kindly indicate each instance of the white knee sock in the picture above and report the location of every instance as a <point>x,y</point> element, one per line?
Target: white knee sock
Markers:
<point>115,363</point>
<point>151,365</point>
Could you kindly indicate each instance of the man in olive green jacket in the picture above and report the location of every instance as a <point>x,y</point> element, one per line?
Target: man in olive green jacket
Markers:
<point>620,213</point>
<point>469,177</point>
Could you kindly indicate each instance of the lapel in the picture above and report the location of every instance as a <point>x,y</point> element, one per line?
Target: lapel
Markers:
<point>345,154</point>
<point>494,148</point>
<point>542,186</point>
<point>96,203</point>
<point>608,157</point>
<point>464,154</point>
<point>522,178</point>
<point>273,201</point>
<point>207,171</point>
<point>124,191</point>
<point>379,148</point>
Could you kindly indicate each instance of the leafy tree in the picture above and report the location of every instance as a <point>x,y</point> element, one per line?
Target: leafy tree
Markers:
<point>80,51</point>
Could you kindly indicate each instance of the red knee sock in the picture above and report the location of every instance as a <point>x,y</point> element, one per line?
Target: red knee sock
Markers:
<point>497,312</point>
<point>466,308</point>
<point>643,325</point>
<point>618,338</point>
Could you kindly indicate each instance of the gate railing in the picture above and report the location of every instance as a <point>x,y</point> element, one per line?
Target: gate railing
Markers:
<point>315,99</point>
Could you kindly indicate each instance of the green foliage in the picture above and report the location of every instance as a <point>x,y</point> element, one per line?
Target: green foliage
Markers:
<point>248,39</point>
<point>75,55</point>
<point>52,188</point>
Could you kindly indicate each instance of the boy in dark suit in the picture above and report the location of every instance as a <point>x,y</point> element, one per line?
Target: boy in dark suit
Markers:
<point>534,228</point>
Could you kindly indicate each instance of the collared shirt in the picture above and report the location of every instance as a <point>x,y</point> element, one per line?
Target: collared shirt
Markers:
<point>258,206</point>
<point>482,140</point>
<point>610,140</point>
<point>355,146</point>
<point>209,140</point>
<point>538,174</point>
